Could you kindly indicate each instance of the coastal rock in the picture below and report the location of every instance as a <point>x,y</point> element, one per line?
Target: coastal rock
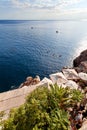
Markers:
<point>83,80</point>
<point>47,82</point>
<point>58,78</point>
<point>71,84</point>
<point>84,125</point>
<point>82,67</point>
<point>35,80</point>
<point>79,59</point>
<point>30,81</point>
<point>83,76</point>
<point>70,74</point>
<point>29,78</point>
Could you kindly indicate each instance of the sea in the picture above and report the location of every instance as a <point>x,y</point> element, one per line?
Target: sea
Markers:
<point>30,48</point>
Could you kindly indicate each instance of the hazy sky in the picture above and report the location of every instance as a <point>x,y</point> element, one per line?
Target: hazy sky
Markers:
<point>43,9</point>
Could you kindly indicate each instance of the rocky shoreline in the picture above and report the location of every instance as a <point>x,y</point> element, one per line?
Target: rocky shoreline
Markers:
<point>74,73</point>
<point>75,78</point>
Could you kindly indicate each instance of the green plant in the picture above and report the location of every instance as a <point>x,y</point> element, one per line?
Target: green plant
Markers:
<point>44,109</point>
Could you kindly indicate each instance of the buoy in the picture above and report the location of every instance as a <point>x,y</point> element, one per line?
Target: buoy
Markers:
<point>56,31</point>
<point>31,27</point>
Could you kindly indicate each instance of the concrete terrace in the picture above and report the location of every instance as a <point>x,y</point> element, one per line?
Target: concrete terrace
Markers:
<point>15,98</point>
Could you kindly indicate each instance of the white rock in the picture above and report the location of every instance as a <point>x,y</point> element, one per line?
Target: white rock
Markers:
<point>58,78</point>
<point>38,78</point>
<point>86,106</point>
<point>71,84</point>
<point>70,74</point>
<point>84,125</point>
<point>46,82</point>
<point>83,76</point>
<point>29,78</point>
<point>78,117</point>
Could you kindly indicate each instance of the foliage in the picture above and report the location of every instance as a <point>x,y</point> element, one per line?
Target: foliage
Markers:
<point>1,114</point>
<point>76,96</point>
<point>44,109</point>
<point>1,117</point>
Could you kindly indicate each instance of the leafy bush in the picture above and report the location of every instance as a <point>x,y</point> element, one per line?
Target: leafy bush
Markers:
<point>44,109</point>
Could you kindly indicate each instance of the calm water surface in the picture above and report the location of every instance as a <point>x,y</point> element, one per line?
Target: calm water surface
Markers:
<point>27,51</point>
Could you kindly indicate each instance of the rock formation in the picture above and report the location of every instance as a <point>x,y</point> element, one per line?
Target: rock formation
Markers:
<point>30,81</point>
<point>80,63</point>
<point>82,67</point>
<point>83,57</point>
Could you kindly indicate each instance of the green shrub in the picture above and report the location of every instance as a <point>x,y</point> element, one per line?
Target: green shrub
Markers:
<point>44,109</point>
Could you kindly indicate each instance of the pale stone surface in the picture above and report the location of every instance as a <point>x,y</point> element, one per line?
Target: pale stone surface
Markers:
<point>15,98</point>
<point>71,84</point>
<point>47,82</point>
<point>38,78</point>
<point>83,76</point>
<point>70,74</point>
<point>84,125</point>
<point>58,78</point>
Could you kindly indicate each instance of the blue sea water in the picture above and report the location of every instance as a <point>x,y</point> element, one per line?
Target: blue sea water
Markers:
<point>30,48</point>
